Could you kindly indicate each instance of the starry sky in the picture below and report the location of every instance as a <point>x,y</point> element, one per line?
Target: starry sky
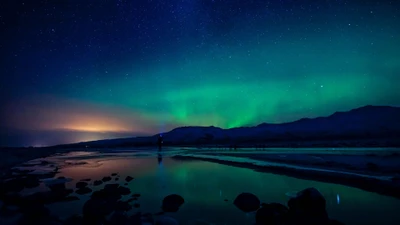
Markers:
<point>85,70</point>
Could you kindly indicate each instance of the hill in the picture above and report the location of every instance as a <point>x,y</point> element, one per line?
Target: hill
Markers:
<point>362,125</point>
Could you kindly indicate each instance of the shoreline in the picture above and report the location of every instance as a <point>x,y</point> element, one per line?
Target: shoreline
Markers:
<point>368,183</point>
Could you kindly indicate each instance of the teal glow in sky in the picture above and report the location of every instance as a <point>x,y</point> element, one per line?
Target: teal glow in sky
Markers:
<point>122,69</point>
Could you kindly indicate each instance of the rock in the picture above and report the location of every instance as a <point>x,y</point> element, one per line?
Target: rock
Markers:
<point>95,210</point>
<point>171,203</point>
<point>124,190</point>
<point>308,207</point>
<point>12,208</point>
<point>159,213</point>
<point>131,199</point>
<point>114,174</point>
<point>166,220</point>
<point>18,184</point>
<point>106,179</point>
<point>83,191</point>
<point>116,179</point>
<point>136,205</point>
<point>119,218</point>
<point>225,200</point>
<point>86,180</point>
<point>74,220</point>
<point>97,182</point>
<point>335,222</point>
<point>81,184</point>
<point>136,195</point>
<point>123,206</point>
<point>247,202</point>
<point>111,186</point>
<point>272,214</point>
<point>128,179</point>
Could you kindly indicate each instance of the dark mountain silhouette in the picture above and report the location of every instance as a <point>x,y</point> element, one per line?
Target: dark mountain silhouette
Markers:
<point>362,124</point>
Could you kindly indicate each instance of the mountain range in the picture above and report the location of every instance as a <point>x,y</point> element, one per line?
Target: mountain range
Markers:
<point>365,124</point>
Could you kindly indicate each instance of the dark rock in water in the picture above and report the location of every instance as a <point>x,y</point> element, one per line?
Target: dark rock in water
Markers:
<point>95,210</point>
<point>74,220</point>
<point>171,203</point>
<point>131,199</point>
<point>123,206</point>
<point>81,184</point>
<point>114,174</point>
<point>61,178</point>
<point>225,200</point>
<point>247,202</point>
<point>140,218</point>
<point>18,184</point>
<point>136,195</point>
<point>124,190</point>
<point>159,213</point>
<point>86,180</point>
<point>119,218</point>
<point>272,214</point>
<point>57,194</point>
<point>308,207</point>
<point>57,187</point>
<point>128,179</point>
<point>106,179</point>
<point>116,179</point>
<point>335,222</point>
<point>136,205</point>
<point>34,213</point>
<point>111,186</point>
<point>97,182</point>
<point>83,191</point>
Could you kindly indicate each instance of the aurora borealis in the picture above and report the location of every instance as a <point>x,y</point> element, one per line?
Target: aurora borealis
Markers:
<point>83,70</point>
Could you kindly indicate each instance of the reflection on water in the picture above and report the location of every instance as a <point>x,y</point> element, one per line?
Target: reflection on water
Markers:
<point>205,186</point>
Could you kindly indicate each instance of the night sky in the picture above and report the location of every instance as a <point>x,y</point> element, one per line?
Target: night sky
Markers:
<point>84,70</point>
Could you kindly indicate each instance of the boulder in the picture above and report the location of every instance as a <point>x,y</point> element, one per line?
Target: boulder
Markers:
<point>308,207</point>
<point>128,179</point>
<point>97,182</point>
<point>106,179</point>
<point>81,184</point>
<point>272,214</point>
<point>247,202</point>
<point>83,191</point>
<point>171,203</point>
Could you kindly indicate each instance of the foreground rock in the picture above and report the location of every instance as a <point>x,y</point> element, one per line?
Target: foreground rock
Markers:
<point>308,207</point>
<point>271,214</point>
<point>19,183</point>
<point>83,191</point>
<point>128,179</point>
<point>104,202</point>
<point>171,203</point>
<point>81,184</point>
<point>97,182</point>
<point>247,202</point>
<point>106,179</point>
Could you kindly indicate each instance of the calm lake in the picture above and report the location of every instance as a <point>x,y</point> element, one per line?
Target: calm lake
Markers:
<point>206,186</point>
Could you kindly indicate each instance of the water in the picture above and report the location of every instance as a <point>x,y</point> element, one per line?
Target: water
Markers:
<point>205,186</point>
